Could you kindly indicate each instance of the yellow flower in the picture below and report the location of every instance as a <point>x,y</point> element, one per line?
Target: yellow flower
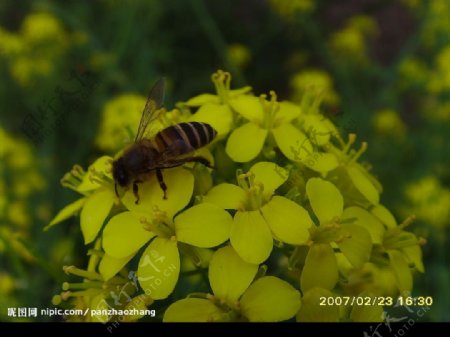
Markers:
<point>353,239</point>
<point>120,118</point>
<point>261,216</point>
<point>239,54</point>
<point>317,81</point>
<point>215,109</point>
<point>265,118</point>
<point>288,9</point>
<point>97,292</point>
<point>429,200</point>
<point>388,122</point>
<point>349,43</point>
<point>237,297</point>
<point>156,219</point>
<point>97,187</point>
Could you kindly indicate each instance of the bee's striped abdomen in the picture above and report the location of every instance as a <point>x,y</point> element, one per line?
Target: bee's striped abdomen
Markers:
<point>187,137</point>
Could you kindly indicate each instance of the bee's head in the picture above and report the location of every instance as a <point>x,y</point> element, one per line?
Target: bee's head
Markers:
<point>120,173</point>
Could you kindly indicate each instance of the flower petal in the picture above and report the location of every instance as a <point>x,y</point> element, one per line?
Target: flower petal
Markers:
<point>201,99</point>
<point>102,166</point>
<point>159,268</point>
<point>98,303</point>
<point>401,270</point>
<point>363,184</point>
<point>413,255</point>
<point>192,310</point>
<point>270,299</point>
<point>358,245</point>
<point>288,221</point>
<point>140,303</point>
<point>219,116</point>
<point>66,212</point>
<point>312,311</point>
<point>227,196</point>
<point>246,142</point>
<point>269,174</point>
<point>251,237</point>
<point>384,215</point>
<point>180,185</point>
<point>124,234</point>
<point>287,112</point>
<point>320,268</point>
<point>317,131</point>
<point>249,107</point>
<point>110,266</point>
<point>95,210</point>
<point>204,225</point>
<point>292,142</point>
<point>366,220</point>
<point>367,313</point>
<point>321,162</point>
<point>229,275</point>
<point>326,200</point>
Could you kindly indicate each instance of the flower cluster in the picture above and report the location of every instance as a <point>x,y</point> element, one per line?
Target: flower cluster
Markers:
<point>287,214</point>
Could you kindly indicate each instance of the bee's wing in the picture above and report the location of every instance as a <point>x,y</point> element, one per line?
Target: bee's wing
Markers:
<point>154,103</point>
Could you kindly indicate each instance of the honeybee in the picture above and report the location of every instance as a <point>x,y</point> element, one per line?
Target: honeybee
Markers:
<point>170,147</point>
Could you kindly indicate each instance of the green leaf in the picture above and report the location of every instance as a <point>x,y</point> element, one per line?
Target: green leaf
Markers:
<point>66,212</point>
<point>320,269</point>
<point>95,210</point>
<point>229,275</point>
<point>159,268</point>
<point>270,299</point>
<point>203,225</point>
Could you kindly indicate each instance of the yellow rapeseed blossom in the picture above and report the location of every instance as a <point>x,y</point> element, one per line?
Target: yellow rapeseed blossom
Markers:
<point>349,43</point>
<point>305,202</point>
<point>237,297</point>
<point>34,52</point>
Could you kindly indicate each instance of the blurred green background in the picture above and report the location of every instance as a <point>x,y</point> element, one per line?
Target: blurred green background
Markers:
<point>72,71</point>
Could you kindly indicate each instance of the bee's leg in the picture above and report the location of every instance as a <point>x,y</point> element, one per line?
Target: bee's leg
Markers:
<point>201,160</point>
<point>162,184</point>
<point>115,189</point>
<point>136,190</point>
